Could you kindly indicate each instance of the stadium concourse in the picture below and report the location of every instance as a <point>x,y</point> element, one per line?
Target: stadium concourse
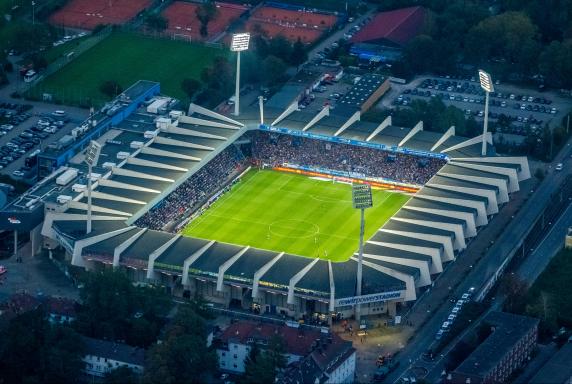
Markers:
<point>158,170</point>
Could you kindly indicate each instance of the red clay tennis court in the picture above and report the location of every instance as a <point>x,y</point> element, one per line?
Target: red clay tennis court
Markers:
<point>308,26</point>
<point>87,14</point>
<point>183,21</point>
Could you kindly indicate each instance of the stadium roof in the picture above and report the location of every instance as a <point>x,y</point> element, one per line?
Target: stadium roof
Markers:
<point>396,27</point>
<point>428,231</point>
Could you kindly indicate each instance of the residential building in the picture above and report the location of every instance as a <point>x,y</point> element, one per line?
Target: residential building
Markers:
<point>60,310</point>
<point>309,351</point>
<point>509,345</point>
<point>103,356</point>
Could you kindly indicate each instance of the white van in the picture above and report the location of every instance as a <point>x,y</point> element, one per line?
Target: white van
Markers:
<point>59,113</point>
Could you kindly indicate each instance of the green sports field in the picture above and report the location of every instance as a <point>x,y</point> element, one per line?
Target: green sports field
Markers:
<point>125,58</point>
<point>294,214</point>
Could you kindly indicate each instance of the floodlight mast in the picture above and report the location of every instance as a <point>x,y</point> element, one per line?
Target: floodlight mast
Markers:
<point>487,85</point>
<point>91,158</point>
<point>239,43</point>
<point>362,199</point>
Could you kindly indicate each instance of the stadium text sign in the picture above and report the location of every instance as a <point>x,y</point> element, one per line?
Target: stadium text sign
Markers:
<point>365,299</point>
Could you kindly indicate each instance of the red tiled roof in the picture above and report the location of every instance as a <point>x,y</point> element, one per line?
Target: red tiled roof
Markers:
<point>297,341</point>
<point>398,26</point>
<point>61,306</point>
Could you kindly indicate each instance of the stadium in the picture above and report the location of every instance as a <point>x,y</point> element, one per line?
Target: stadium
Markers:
<point>254,212</point>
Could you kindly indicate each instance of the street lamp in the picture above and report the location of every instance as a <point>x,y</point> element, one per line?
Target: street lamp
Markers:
<point>91,157</point>
<point>238,44</point>
<point>488,87</point>
<point>362,199</point>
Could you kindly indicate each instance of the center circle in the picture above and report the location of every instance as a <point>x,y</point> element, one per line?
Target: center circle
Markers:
<point>293,228</point>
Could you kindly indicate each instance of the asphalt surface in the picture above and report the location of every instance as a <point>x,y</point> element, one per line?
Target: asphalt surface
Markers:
<point>74,114</point>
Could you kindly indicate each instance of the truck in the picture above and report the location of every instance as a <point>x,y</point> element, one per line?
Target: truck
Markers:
<point>67,176</point>
<point>156,106</point>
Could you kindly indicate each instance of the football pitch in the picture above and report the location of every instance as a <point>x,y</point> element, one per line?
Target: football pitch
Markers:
<point>294,214</point>
<point>125,58</point>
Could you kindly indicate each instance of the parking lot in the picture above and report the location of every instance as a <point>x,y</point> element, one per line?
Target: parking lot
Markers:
<point>521,108</point>
<point>29,128</point>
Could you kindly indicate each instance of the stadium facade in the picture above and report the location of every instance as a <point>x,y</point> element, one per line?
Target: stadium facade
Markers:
<point>146,156</point>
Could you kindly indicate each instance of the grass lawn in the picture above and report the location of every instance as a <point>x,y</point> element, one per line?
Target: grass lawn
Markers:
<point>126,58</point>
<point>294,214</point>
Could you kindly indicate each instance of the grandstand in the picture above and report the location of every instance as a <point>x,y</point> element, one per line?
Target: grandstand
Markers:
<point>172,165</point>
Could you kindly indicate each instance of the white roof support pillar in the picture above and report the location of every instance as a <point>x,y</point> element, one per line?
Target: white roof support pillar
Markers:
<point>179,143</point>
<point>226,265</point>
<point>140,175</point>
<point>296,278</point>
<point>123,246</point>
<point>410,293</point>
<point>107,196</point>
<point>191,132</point>
<point>120,185</point>
<point>194,108</point>
<point>435,254</point>
<point>260,272</point>
<point>48,231</point>
<point>523,173</point>
<point>153,164</point>
<point>450,132</point>
<point>191,259</point>
<point>490,195</point>
<point>79,245</point>
<point>445,241</point>
<point>174,155</point>
<point>384,124</point>
<point>355,117</point>
<point>513,185</point>
<point>423,267</point>
<point>502,185</point>
<point>459,241</point>
<point>205,123</point>
<point>481,219</point>
<point>287,112</point>
<point>417,128</point>
<point>156,253</point>
<point>468,143</point>
<point>467,217</point>
<point>319,116</point>
<point>97,208</point>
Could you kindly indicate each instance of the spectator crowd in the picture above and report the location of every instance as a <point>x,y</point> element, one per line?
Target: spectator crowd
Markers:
<point>192,193</point>
<point>275,149</point>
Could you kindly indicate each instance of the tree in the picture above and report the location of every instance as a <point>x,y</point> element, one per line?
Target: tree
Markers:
<point>514,289</point>
<point>274,69</point>
<point>114,309</point>
<point>183,356</point>
<point>261,367</point>
<point>110,88</point>
<point>156,22</point>
<point>32,350</point>
<point>121,375</point>
<point>206,12</point>
<point>299,54</point>
<point>190,87</point>
<point>555,64</point>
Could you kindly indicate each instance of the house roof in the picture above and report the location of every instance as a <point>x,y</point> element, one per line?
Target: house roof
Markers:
<point>398,26</point>
<point>114,351</point>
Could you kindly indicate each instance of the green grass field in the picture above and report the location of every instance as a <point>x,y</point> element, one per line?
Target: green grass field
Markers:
<point>294,214</point>
<point>126,58</point>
